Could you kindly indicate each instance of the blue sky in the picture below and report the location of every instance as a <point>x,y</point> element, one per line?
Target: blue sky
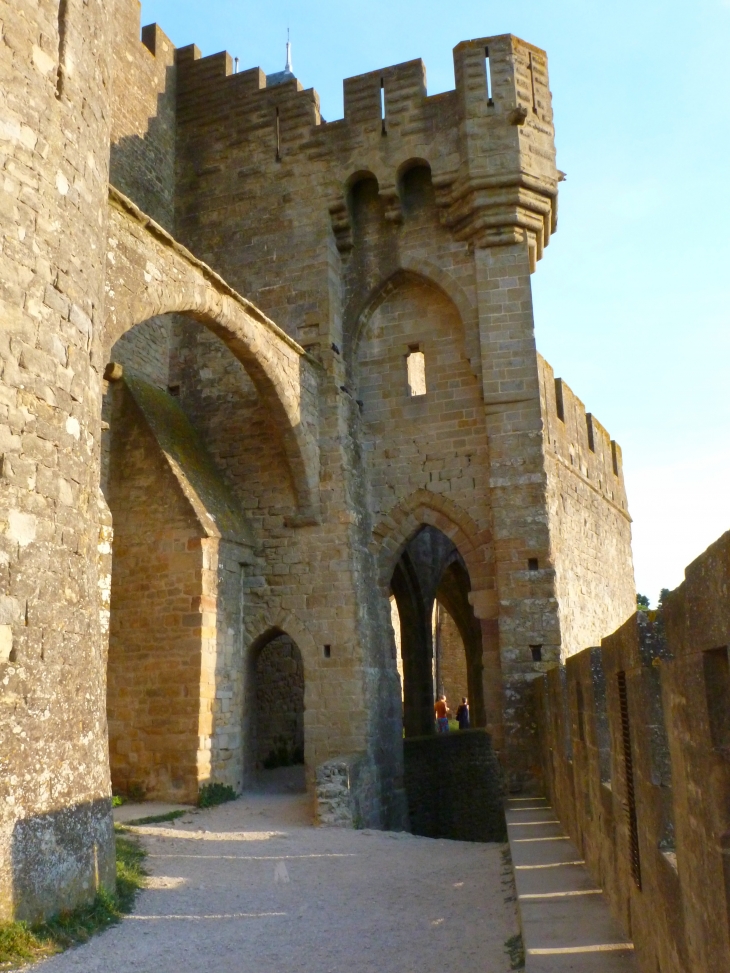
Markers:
<point>632,296</point>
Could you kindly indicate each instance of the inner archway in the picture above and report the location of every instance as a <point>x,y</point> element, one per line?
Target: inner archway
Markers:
<point>437,635</point>
<point>452,779</point>
<point>279,704</point>
<point>181,549</point>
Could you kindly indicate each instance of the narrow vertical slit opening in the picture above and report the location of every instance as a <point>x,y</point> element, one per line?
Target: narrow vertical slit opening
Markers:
<point>580,705</point>
<point>62,43</point>
<point>278,137</point>
<point>634,859</point>
<point>490,99</point>
<point>382,106</point>
<point>532,83</point>
<point>559,407</point>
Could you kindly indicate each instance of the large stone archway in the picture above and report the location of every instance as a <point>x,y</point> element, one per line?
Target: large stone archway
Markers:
<point>475,547</point>
<point>150,274</point>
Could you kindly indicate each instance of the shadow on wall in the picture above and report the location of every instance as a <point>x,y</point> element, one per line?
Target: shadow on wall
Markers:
<point>62,859</point>
<point>646,795</point>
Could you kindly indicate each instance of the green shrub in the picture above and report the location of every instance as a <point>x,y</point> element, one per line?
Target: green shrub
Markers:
<point>211,795</point>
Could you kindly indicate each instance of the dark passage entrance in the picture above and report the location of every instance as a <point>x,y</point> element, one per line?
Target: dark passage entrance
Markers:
<point>279,706</point>
<point>453,781</point>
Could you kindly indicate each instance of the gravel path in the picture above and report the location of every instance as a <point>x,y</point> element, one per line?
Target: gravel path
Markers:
<point>251,886</point>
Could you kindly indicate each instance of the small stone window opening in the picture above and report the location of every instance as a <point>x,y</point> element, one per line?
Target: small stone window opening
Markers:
<point>278,137</point>
<point>490,99</point>
<point>536,651</point>
<point>382,106</point>
<point>416,364</point>
<point>328,651</point>
<point>559,407</point>
<point>533,564</point>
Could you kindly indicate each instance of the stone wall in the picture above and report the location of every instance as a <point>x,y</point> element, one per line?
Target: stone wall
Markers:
<point>590,528</point>
<point>360,237</point>
<point>635,746</point>
<point>144,123</point>
<point>56,841</point>
<point>279,703</point>
<point>146,349</point>
<point>181,554</point>
<point>154,675</point>
<point>454,787</point>
<point>330,256</point>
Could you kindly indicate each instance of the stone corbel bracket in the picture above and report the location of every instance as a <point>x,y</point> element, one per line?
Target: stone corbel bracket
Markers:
<point>499,210</point>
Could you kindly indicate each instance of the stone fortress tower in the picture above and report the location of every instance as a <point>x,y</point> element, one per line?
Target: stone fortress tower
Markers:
<point>268,372</point>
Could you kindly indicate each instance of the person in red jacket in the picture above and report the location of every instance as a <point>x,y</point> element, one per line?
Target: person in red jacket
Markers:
<point>442,715</point>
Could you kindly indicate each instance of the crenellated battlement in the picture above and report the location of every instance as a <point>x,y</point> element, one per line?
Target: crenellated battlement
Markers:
<point>578,440</point>
<point>489,142</point>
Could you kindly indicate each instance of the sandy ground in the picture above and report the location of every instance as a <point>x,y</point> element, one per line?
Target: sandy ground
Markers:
<point>252,886</point>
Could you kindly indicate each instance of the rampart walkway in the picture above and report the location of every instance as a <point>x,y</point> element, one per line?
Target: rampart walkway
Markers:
<point>251,886</point>
<point>565,918</point>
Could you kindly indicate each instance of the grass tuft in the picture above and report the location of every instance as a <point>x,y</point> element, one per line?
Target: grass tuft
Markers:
<point>515,949</point>
<point>158,818</point>
<point>20,942</point>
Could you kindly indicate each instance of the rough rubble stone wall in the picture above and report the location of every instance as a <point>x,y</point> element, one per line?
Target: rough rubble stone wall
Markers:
<point>279,700</point>
<point>154,674</point>
<point>590,528</point>
<point>55,814</point>
<point>674,900</point>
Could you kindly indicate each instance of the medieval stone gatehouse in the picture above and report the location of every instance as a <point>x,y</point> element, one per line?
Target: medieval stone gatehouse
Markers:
<point>261,373</point>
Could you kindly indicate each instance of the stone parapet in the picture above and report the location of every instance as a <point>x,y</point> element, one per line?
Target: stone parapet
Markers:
<point>635,738</point>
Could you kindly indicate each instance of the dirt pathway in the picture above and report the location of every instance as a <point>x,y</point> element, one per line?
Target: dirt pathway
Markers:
<point>251,886</point>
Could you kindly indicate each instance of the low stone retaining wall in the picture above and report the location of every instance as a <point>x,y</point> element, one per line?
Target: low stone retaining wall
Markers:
<point>454,787</point>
